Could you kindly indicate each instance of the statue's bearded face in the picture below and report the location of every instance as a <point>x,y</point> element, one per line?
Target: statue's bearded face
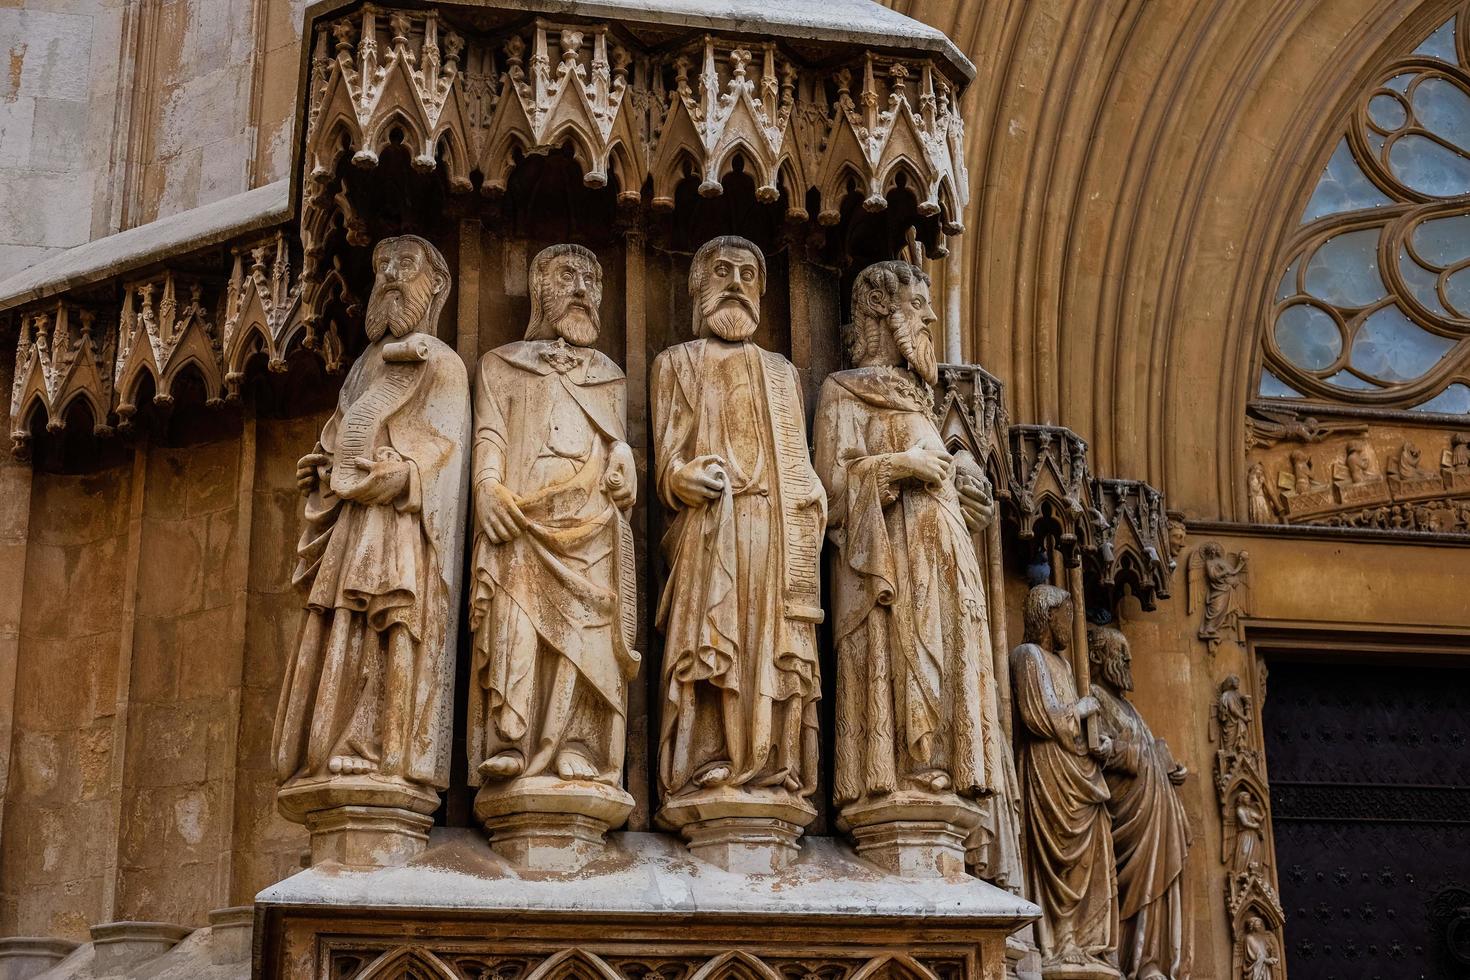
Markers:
<point>402,291</point>
<point>910,320</point>
<point>730,301</point>
<point>1117,665</point>
<point>1061,626</point>
<point>571,294</point>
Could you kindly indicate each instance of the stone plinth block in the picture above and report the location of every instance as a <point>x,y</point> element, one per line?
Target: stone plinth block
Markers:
<point>119,946</point>
<point>230,930</point>
<point>361,821</point>
<point>915,835</point>
<point>1091,970</point>
<point>548,824</point>
<point>739,829</point>
<point>461,909</point>
<point>23,957</point>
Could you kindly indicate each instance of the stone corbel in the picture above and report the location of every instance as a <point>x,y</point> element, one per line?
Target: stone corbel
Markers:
<point>168,326</point>
<point>1053,484</point>
<point>972,415</point>
<point>1133,546</point>
<point>64,355</point>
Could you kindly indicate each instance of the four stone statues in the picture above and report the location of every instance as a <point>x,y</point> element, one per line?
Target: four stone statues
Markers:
<point>922,764</point>
<point>365,707</point>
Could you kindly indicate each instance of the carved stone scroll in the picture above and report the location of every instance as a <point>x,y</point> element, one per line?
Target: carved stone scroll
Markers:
<point>1246,850</point>
<point>553,603</point>
<point>361,745</point>
<point>738,749</point>
<point>921,757</point>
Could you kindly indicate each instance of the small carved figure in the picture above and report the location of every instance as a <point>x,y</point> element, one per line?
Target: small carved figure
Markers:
<point>1300,481</point>
<point>368,693</point>
<point>1178,536</point>
<point>1235,716</point>
<point>554,601</point>
<point>1070,868</point>
<point>1261,953</point>
<point>1262,509</point>
<point>1151,835</point>
<point>1404,465</point>
<point>740,674</point>
<point>1268,426</point>
<point>1459,453</point>
<point>915,681</point>
<point>1250,828</point>
<point>1362,462</point>
<point>1215,577</point>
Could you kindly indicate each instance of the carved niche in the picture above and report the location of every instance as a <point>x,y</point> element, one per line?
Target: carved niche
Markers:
<point>168,326</point>
<point>64,356</point>
<point>1246,850</point>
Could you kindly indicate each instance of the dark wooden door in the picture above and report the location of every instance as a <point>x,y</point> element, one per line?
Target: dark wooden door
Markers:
<point>1370,796</point>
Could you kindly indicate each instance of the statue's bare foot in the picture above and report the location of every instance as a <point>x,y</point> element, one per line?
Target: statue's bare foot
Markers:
<point>351,765</point>
<point>716,775</point>
<point>574,765</point>
<point>506,765</point>
<point>935,780</point>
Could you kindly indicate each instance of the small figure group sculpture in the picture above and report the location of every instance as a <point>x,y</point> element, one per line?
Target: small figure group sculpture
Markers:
<point>921,757</point>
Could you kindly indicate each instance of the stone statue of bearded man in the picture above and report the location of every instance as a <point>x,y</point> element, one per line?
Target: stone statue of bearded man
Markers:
<point>554,607</point>
<point>366,702</point>
<point>919,738</point>
<point>738,749</point>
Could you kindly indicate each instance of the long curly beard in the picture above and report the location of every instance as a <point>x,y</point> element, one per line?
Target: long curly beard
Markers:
<point>730,317</point>
<point>917,349</point>
<point>575,321</point>
<point>398,308</point>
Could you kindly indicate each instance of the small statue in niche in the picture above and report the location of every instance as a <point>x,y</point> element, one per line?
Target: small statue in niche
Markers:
<point>1214,579</point>
<point>1151,835</point>
<point>1070,862</point>
<point>366,701</point>
<point>1249,849</point>
<point>740,607</point>
<point>1262,955</point>
<point>915,683</point>
<point>1236,716</point>
<point>554,602</point>
<point>1262,508</point>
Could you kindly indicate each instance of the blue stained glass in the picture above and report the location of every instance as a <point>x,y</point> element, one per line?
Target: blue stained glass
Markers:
<point>1391,347</point>
<point>1344,379</point>
<point>1457,291</point>
<point>1440,44</point>
<point>1454,400</point>
<point>1342,187</point>
<point>1400,83</point>
<point>1387,112</point>
<point>1344,270</point>
<point>1421,282</point>
<point>1274,387</point>
<point>1444,109</point>
<point>1429,167</point>
<point>1444,241</point>
<point>1288,281</point>
<point>1308,336</point>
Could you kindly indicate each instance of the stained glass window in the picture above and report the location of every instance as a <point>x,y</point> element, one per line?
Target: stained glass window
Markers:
<point>1373,304</point>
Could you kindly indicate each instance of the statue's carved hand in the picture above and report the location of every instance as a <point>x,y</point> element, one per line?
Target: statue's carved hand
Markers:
<point>312,470</point>
<point>924,465</point>
<point>500,517</point>
<point>1087,707</point>
<point>387,478</point>
<point>621,479</point>
<point>700,480</point>
<point>1178,774</point>
<point>977,503</point>
<point>1104,747</point>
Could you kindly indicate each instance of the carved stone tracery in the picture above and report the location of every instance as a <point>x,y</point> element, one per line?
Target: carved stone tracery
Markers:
<point>64,356</point>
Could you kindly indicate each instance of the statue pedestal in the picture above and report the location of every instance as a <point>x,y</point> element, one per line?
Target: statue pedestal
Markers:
<point>739,829</point>
<point>1093,970</point>
<point>543,823</point>
<point>461,909</point>
<point>915,835</point>
<point>361,821</point>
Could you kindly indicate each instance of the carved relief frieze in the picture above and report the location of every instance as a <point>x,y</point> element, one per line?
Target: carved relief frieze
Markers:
<point>65,354</point>
<point>1251,898</point>
<point>168,326</point>
<point>1350,474</point>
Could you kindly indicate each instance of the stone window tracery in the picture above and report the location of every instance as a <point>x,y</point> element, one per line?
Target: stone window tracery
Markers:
<point>1373,304</point>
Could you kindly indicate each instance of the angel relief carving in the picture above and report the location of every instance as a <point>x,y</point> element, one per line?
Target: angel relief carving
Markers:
<point>738,749</point>
<point>1217,585</point>
<point>554,604</point>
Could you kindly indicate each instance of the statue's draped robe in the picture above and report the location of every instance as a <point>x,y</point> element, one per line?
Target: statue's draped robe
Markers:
<point>739,604</point>
<point>374,663</point>
<point>546,420</point>
<point>915,679</point>
<point>1069,847</point>
<point>1150,840</point>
